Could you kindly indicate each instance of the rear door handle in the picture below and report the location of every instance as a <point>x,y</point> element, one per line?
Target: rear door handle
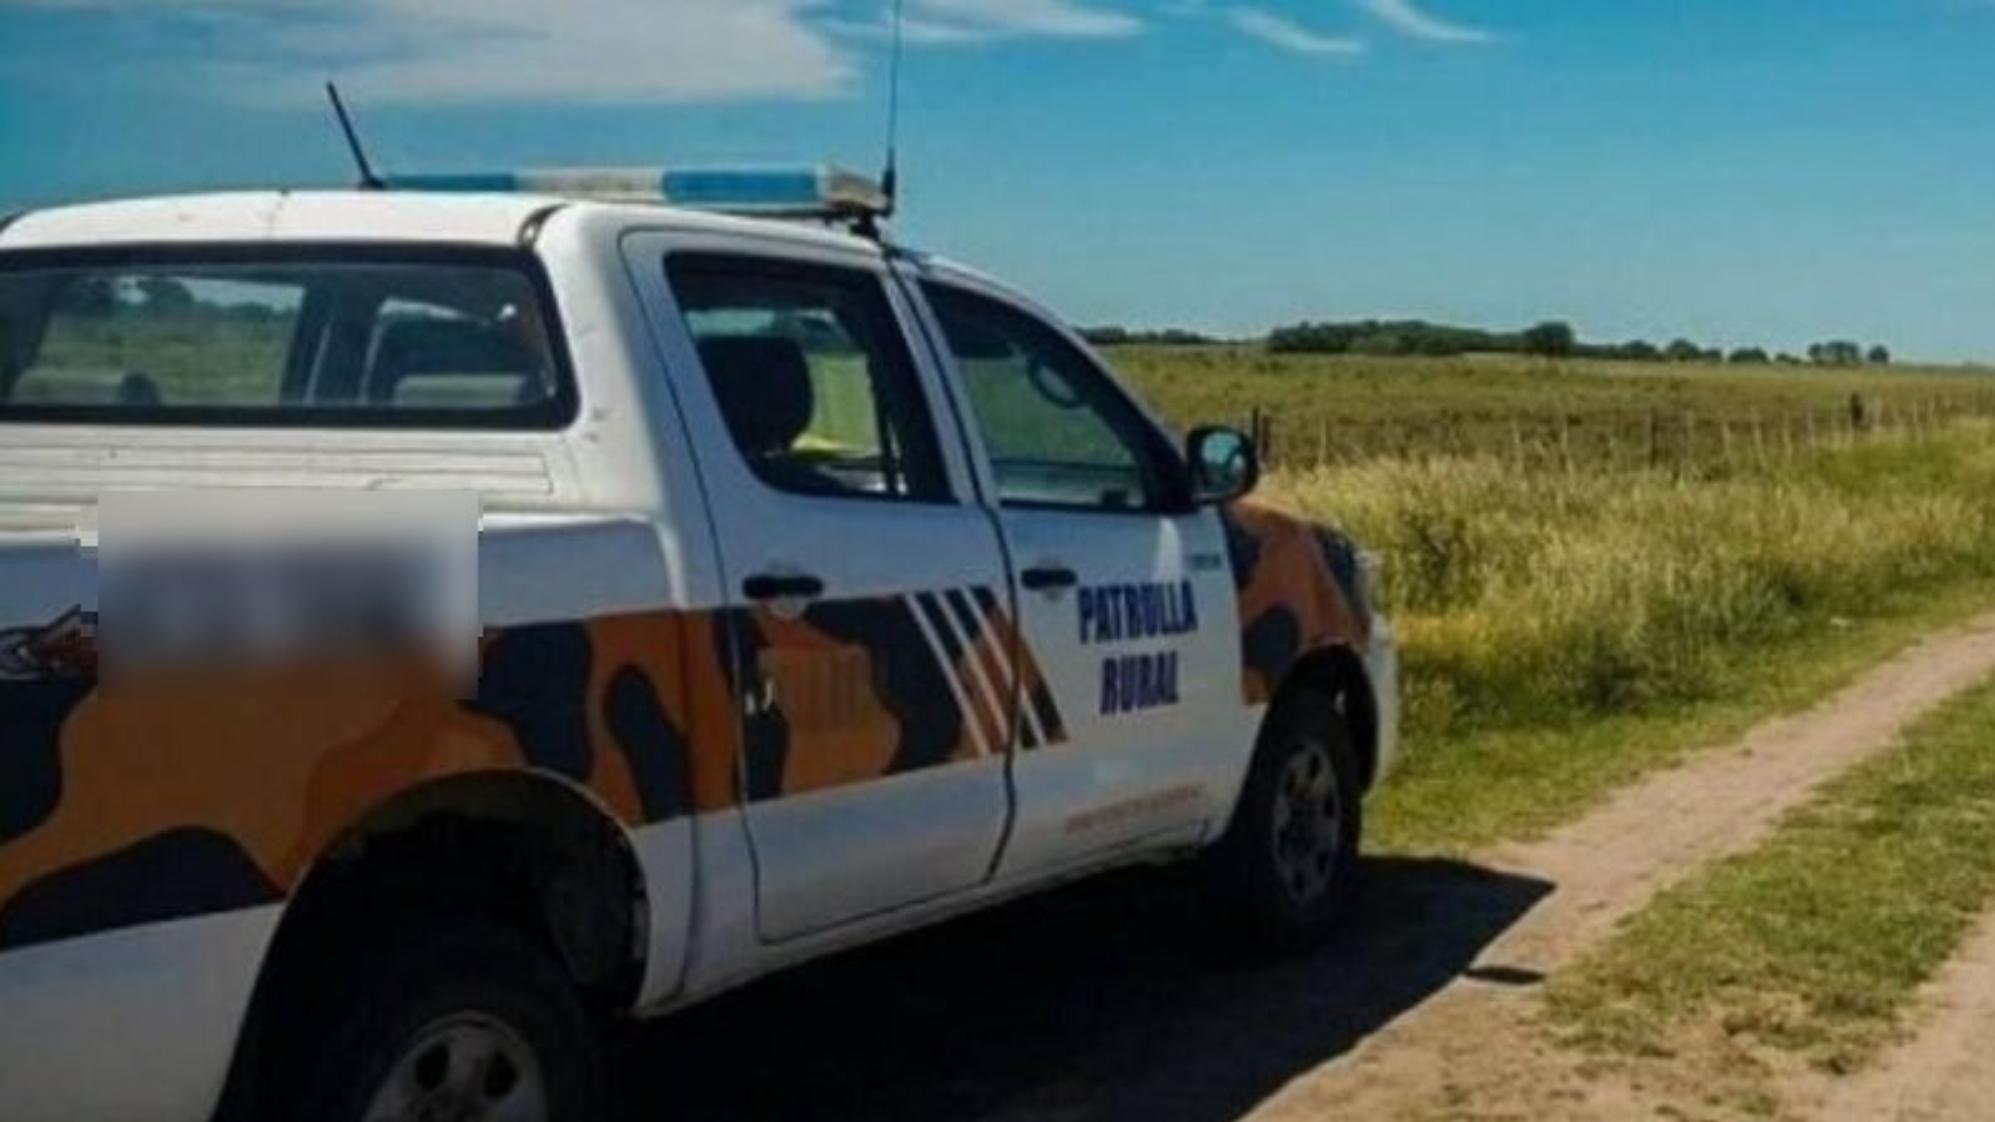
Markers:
<point>782,586</point>
<point>1048,578</point>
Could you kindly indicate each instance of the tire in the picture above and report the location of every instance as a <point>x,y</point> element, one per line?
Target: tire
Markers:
<point>457,1016</point>
<point>1284,877</point>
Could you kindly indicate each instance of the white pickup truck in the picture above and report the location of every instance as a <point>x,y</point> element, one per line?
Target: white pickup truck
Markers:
<point>825,590</point>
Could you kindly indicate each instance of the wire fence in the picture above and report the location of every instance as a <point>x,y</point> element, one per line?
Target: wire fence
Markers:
<point>1680,441</point>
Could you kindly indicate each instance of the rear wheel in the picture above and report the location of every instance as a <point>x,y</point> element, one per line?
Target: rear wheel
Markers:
<point>1287,867</point>
<point>462,1065</point>
<point>461,1021</point>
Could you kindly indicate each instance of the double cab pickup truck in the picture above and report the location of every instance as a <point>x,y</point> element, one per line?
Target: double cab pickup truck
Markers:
<point>823,590</point>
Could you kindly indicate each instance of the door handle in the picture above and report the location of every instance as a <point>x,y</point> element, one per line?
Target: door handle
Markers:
<point>782,586</point>
<point>1048,578</point>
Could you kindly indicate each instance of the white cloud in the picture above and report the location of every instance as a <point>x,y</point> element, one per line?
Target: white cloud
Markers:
<point>645,51</point>
<point>1029,17</point>
<point>975,21</point>
<point>950,22</point>
<point>591,51</point>
<point>1408,20</point>
<point>607,51</point>
<point>1291,36</point>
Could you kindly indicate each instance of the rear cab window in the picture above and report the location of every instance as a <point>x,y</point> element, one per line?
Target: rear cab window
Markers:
<point>283,336</point>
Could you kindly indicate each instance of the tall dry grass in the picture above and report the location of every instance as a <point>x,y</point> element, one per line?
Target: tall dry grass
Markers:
<point>1532,597</point>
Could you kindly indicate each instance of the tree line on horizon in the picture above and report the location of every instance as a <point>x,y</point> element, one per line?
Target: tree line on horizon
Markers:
<point>1550,339</point>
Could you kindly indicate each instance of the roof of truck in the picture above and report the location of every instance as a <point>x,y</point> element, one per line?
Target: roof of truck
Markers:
<point>495,218</point>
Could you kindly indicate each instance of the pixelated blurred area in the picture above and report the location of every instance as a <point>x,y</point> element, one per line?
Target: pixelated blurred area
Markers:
<point>206,581</point>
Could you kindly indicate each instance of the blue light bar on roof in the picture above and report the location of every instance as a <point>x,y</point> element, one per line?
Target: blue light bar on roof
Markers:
<point>820,192</point>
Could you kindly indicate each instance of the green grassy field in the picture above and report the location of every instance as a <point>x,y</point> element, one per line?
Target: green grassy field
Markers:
<point>1563,633</point>
<point>1338,409</point>
<point>1570,623</point>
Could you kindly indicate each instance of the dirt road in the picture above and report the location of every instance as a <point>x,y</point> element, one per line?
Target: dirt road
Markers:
<point>1099,1004</point>
<point>1460,1055</point>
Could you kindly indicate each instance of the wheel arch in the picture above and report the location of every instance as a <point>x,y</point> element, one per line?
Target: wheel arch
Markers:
<point>1338,672</point>
<point>530,848</point>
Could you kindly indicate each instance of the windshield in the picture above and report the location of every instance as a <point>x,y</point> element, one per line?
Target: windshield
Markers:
<point>319,339</point>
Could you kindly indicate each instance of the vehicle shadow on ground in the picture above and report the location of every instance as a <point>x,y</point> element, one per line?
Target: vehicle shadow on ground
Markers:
<point>1102,1001</point>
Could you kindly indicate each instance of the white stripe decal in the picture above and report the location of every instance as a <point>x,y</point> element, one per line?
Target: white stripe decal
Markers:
<point>970,718</point>
<point>993,699</point>
<point>1028,718</point>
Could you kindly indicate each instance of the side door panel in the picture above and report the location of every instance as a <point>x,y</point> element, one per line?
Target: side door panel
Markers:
<point>873,762</point>
<point>1139,656</point>
<point>872,770</point>
<point>1133,639</point>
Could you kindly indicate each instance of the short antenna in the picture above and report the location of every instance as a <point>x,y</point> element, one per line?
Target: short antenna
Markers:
<point>890,179</point>
<point>368,180</point>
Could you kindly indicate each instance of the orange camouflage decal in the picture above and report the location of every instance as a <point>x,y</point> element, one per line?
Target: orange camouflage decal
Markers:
<point>848,691</point>
<point>1291,600</point>
<point>183,794</point>
<point>172,797</point>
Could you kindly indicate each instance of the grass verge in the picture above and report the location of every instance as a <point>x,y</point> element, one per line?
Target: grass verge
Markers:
<point>1464,789</point>
<point>1813,944</point>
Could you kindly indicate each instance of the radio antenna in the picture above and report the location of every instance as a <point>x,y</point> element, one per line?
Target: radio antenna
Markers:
<point>890,179</point>
<point>368,180</point>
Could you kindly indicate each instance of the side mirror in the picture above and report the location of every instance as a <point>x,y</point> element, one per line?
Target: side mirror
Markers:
<point>1224,465</point>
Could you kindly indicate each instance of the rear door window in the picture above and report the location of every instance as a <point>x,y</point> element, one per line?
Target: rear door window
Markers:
<point>812,375</point>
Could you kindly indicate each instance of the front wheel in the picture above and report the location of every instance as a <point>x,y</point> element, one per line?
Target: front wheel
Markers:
<point>1287,867</point>
<point>461,1020</point>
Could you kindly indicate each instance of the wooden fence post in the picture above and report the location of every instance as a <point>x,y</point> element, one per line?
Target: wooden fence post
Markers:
<point>1260,427</point>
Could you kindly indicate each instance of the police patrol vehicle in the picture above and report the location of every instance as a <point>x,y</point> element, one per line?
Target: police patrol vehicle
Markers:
<point>824,590</point>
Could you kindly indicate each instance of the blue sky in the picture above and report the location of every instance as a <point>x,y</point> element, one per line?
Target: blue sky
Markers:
<point>1770,171</point>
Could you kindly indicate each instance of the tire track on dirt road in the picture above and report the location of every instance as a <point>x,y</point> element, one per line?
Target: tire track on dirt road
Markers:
<point>1469,1051</point>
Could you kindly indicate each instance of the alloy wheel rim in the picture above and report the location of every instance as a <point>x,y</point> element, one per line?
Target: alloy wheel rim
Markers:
<point>466,1067</point>
<point>1307,824</point>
